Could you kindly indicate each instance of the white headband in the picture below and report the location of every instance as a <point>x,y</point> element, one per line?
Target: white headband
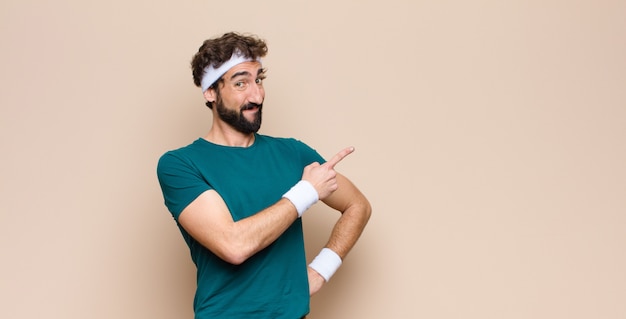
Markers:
<point>212,74</point>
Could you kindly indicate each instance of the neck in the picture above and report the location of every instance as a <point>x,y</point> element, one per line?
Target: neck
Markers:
<point>222,134</point>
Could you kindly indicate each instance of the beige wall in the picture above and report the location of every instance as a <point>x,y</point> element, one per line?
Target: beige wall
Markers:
<point>490,136</point>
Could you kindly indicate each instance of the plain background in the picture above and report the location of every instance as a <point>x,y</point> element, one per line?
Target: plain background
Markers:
<point>490,138</point>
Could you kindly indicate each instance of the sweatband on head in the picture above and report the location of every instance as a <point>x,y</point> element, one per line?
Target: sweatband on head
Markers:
<point>212,74</point>
<point>326,263</point>
<point>302,195</point>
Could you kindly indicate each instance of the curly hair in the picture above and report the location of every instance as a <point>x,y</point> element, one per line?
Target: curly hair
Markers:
<point>219,50</point>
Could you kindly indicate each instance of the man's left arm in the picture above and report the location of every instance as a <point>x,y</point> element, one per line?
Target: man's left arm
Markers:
<point>355,212</point>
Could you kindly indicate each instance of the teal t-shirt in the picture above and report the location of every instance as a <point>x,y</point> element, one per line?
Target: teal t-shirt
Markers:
<point>273,283</point>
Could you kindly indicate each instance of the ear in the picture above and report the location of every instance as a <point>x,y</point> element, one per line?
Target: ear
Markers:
<point>210,95</point>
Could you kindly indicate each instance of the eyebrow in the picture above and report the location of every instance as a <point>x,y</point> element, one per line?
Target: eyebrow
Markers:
<point>246,73</point>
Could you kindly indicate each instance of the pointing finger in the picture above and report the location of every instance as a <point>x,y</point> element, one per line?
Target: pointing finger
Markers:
<point>339,156</point>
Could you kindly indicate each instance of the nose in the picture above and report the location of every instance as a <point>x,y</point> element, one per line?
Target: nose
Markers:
<point>257,94</point>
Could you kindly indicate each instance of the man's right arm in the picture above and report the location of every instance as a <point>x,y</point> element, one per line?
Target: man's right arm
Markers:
<point>208,220</point>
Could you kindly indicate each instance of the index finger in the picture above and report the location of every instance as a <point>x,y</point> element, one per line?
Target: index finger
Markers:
<point>339,156</point>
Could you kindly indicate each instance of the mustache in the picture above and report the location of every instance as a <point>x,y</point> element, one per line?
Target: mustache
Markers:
<point>251,105</point>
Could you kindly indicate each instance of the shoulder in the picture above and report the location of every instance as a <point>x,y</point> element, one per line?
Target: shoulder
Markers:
<point>292,147</point>
<point>180,156</point>
<point>290,142</point>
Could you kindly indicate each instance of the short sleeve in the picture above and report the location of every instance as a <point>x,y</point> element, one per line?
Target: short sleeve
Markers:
<point>180,182</point>
<point>308,155</point>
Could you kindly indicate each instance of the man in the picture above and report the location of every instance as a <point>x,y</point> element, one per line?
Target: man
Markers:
<point>237,196</point>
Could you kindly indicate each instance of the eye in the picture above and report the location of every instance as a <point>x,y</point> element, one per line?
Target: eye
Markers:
<point>260,77</point>
<point>240,84</point>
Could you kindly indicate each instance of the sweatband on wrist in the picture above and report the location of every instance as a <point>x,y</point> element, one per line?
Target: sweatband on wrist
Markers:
<point>326,263</point>
<point>302,195</point>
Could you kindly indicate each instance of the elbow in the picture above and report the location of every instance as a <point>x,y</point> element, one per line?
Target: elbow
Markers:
<point>367,210</point>
<point>360,211</point>
<point>364,207</point>
<point>234,253</point>
<point>363,210</point>
<point>234,259</point>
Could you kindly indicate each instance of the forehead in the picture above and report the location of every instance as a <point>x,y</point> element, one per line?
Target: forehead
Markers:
<point>250,68</point>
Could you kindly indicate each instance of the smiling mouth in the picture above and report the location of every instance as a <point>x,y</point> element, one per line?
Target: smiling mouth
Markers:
<point>250,107</point>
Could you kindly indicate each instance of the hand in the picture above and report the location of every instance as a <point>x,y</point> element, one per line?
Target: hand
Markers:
<point>316,281</point>
<point>323,177</point>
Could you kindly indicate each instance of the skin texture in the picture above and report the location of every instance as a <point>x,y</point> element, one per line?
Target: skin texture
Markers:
<point>208,219</point>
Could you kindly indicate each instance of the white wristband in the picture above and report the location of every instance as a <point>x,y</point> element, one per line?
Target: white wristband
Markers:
<point>302,195</point>
<point>326,263</point>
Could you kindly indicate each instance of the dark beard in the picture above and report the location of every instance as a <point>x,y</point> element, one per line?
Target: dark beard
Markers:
<point>236,119</point>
